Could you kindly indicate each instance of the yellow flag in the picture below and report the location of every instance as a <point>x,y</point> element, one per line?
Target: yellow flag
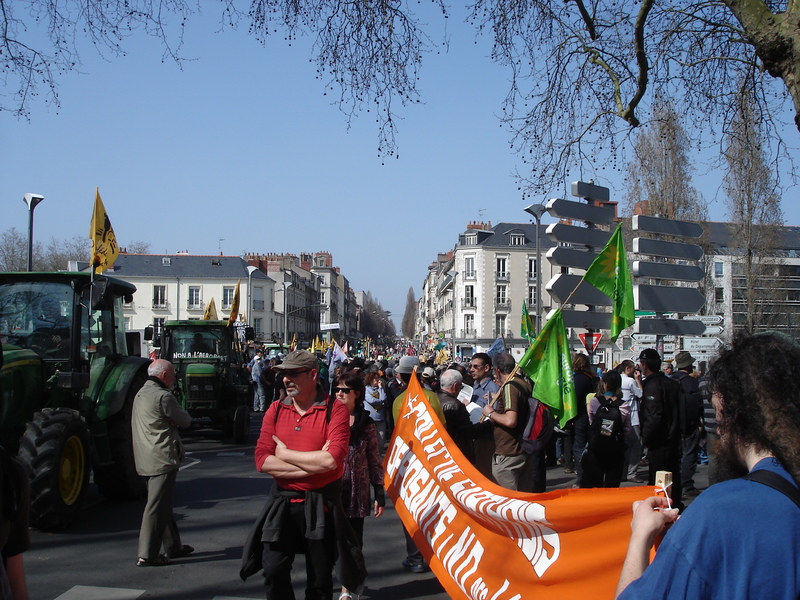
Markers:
<point>104,243</point>
<point>235,304</point>
<point>211,312</point>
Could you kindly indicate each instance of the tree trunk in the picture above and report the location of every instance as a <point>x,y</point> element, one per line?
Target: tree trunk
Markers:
<point>776,39</point>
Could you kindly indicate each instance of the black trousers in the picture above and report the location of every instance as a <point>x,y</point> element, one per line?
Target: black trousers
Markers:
<point>320,557</point>
<point>667,458</point>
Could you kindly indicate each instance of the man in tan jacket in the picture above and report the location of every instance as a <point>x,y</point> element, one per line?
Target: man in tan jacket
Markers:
<point>158,452</point>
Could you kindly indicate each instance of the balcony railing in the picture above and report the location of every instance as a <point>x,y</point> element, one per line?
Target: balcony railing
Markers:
<point>502,303</point>
<point>501,275</point>
<point>469,275</point>
<point>531,276</point>
<point>468,303</point>
<point>194,305</point>
<point>160,305</point>
<point>506,333</point>
<point>258,305</point>
<point>469,334</point>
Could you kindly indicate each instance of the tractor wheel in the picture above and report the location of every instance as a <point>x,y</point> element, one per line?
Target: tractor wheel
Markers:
<point>120,481</point>
<point>55,450</point>
<point>241,424</point>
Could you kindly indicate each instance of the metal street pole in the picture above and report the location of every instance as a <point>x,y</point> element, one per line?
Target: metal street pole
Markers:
<point>286,286</point>
<point>31,200</point>
<point>250,270</point>
<point>537,210</point>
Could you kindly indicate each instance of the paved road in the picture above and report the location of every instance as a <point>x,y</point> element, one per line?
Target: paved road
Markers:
<point>218,495</point>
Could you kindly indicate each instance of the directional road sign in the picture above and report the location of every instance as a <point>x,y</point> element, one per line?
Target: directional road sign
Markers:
<point>661,270</point>
<point>701,344</point>
<point>669,327</point>
<point>563,256</point>
<point>662,299</point>
<point>644,338</point>
<point>713,330</point>
<point>581,189</point>
<point>583,236</point>
<point>586,319</point>
<point>707,319</point>
<point>667,249</point>
<point>666,226</point>
<point>580,211</point>
<point>562,285</point>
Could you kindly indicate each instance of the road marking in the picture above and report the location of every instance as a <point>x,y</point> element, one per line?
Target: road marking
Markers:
<point>86,592</point>
<point>190,462</point>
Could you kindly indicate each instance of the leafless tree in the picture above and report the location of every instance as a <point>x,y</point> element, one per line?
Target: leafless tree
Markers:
<point>755,213</point>
<point>583,74</point>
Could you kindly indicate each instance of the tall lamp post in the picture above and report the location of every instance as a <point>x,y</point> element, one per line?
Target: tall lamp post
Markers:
<point>31,200</point>
<point>537,210</point>
<point>250,270</point>
<point>286,286</point>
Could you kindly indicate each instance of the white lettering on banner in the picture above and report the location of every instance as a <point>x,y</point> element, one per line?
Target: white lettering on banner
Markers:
<point>425,495</point>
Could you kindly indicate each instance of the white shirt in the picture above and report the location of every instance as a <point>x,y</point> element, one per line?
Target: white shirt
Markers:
<point>631,392</point>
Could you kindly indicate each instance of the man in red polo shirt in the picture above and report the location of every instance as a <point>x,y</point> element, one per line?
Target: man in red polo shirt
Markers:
<point>303,443</point>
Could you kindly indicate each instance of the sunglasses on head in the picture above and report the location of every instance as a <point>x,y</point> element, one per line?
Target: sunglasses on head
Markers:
<point>343,390</point>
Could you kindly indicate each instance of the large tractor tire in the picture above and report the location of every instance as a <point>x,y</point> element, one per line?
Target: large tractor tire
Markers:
<point>241,424</point>
<point>120,481</point>
<point>55,449</point>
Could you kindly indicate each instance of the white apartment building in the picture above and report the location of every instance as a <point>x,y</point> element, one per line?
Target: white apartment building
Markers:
<point>475,293</point>
<point>180,286</point>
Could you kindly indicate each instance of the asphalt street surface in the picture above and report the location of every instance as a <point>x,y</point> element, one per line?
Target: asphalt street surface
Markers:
<point>217,497</point>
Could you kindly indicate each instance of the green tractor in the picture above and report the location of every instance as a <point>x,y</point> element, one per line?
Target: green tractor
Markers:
<point>211,369</point>
<point>67,386</point>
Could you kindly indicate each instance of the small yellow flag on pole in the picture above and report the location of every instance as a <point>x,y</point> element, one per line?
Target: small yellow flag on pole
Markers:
<point>210,313</point>
<point>235,304</point>
<point>104,243</point>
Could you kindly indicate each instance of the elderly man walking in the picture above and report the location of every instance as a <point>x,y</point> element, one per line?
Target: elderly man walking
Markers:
<point>158,452</point>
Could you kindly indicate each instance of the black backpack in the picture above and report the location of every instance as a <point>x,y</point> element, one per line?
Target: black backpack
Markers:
<point>607,432</point>
<point>690,407</point>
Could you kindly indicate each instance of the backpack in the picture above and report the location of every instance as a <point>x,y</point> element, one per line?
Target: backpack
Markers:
<point>539,424</point>
<point>538,428</point>
<point>690,407</point>
<point>606,434</point>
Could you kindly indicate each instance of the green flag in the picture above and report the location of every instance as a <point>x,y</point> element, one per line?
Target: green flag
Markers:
<point>610,274</point>
<point>549,364</point>
<point>526,328</point>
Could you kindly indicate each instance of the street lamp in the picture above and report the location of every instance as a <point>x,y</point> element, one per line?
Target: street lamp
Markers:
<point>286,286</point>
<point>250,270</point>
<point>537,210</point>
<point>31,200</point>
<point>453,355</point>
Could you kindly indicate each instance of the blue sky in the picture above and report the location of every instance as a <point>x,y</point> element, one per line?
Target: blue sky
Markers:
<point>242,145</point>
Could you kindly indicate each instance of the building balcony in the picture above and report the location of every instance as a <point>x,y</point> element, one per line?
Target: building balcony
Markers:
<point>469,275</point>
<point>506,333</point>
<point>468,303</point>
<point>502,303</point>
<point>258,305</point>
<point>194,306</point>
<point>469,334</point>
<point>160,305</point>
<point>531,276</point>
<point>501,275</point>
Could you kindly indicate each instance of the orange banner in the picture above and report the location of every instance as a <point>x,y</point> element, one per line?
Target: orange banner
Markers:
<point>485,542</point>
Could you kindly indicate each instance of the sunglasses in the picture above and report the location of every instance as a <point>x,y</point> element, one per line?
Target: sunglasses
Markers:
<point>295,373</point>
<point>342,390</point>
